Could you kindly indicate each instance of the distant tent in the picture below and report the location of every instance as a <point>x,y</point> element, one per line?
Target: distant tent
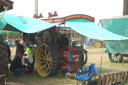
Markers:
<point>10,33</point>
<point>5,33</point>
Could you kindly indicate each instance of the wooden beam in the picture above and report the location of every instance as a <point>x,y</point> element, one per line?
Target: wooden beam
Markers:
<point>108,79</point>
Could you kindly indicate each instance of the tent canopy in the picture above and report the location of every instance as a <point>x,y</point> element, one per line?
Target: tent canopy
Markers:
<point>23,24</point>
<point>92,30</point>
<point>82,26</point>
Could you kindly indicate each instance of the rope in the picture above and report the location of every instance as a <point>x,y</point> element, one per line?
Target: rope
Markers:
<point>3,13</point>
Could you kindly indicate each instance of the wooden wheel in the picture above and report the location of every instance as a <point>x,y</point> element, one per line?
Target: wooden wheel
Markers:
<point>45,59</point>
<point>97,44</point>
<point>115,58</point>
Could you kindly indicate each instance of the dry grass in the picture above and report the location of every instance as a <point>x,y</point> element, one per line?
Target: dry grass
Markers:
<point>94,56</point>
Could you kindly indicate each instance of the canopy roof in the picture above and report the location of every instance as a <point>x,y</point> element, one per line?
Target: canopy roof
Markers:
<point>82,26</point>
<point>23,24</point>
<point>92,30</point>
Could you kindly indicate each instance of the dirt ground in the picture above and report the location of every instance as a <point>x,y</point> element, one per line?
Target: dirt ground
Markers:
<point>94,56</point>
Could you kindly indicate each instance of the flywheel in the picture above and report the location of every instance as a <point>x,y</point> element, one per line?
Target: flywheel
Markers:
<point>46,59</point>
<point>46,36</point>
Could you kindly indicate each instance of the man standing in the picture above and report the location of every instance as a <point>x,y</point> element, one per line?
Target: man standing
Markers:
<point>9,52</point>
<point>16,66</point>
<point>19,49</point>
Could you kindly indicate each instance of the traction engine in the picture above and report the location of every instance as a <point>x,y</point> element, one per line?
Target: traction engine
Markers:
<point>55,51</point>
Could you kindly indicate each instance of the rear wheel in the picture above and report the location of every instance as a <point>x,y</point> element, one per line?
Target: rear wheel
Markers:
<point>115,58</point>
<point>3,57</point>
<point>46,59</point>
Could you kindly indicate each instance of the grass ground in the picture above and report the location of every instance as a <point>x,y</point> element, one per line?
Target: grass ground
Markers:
<point>94,56</point>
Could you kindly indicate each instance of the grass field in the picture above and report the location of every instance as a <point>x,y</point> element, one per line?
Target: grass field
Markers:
<point>94,56</point>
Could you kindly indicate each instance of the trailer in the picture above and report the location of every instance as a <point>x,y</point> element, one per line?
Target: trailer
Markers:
<point>116,49</point>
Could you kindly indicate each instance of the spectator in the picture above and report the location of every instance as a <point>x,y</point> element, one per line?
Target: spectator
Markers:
<point>27,59</point>
<point>9,43</point>
<point>9,53</point>
<point>16,66</point>
<point>19,49</point>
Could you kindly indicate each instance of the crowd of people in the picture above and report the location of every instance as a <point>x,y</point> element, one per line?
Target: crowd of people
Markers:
<point>23,61</point>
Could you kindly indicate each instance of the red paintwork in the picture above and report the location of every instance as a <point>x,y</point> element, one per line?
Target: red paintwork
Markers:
<point>75,57</point>
<point>63,19</point>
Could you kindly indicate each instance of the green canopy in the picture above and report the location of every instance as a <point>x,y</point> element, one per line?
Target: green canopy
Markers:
<point>92,30</point>
<point>82,26</point>
<point>120,27</point>
<point>23,24</point>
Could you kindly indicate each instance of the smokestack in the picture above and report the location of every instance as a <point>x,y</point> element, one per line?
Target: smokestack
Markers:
<point>125,9</point>
<point>35,9</point>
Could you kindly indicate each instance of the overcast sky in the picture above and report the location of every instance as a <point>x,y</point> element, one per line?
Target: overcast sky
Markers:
<point>95,8</point>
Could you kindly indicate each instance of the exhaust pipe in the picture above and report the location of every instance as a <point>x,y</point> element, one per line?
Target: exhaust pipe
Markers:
<point>35,9</point>
<point>125,8</point>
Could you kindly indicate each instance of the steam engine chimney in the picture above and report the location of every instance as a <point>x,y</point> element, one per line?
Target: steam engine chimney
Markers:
<point>125,9</point>
<point>36,10</point>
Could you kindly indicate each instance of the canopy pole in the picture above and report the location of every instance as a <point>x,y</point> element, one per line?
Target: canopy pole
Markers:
<point>101,61</point>
<point>3,13</point>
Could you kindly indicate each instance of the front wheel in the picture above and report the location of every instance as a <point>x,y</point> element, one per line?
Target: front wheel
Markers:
<point>46,59</point>
<point>115,58</point>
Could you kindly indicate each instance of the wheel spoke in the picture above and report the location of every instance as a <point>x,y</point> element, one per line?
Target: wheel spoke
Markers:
<point>42,51</point>
<point>42,58</point>
<point>44,66</point>
<point>42,54</point>
<point>47,68</point>
<point>48,54</point>
<point>49,59</point>
<point>45,50</point>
